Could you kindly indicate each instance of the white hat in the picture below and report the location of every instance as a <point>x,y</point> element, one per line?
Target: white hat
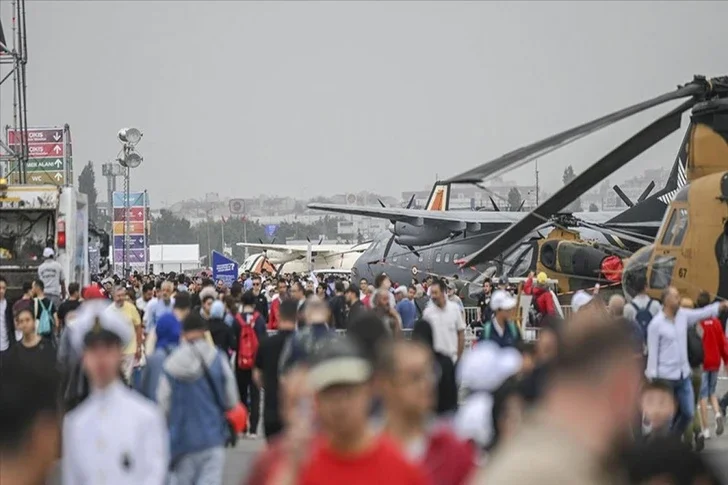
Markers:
<point>579,299</point>
<point>487,366</point>
<point>401,289</point>
<point>48,253</point>
<point>502,300</point>
<point>101,320</point>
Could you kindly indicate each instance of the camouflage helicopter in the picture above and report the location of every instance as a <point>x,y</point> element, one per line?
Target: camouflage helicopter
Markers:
<point>691,248</point>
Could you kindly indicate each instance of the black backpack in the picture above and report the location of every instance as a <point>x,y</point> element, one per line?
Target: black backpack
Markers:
<point>695,347</point>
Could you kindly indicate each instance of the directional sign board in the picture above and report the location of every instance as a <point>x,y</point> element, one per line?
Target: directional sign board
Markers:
<point>49,155</point>
<point>136,209</point>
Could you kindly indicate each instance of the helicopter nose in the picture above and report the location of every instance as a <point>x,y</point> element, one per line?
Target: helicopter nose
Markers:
<point>634,276</point>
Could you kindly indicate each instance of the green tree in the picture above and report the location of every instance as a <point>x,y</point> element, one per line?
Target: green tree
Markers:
<point>514,199</point>
<point>170,229</point>
<point>569,176</point>
<point>87,185</point>
<point>593,207</point>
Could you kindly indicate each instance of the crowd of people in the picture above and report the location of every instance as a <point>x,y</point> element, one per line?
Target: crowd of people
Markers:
<point>148,379</point>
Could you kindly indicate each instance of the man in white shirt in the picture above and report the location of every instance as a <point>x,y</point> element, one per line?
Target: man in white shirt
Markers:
<point>115,436</point>
<point>445,317</point>
<point>667,350</point>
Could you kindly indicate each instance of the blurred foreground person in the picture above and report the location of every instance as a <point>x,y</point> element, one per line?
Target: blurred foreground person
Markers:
<point>115,436</point>
<point>408,380</point>
<point>666,461</point>
<point>595,375</point>
<point>447,387</point>
<point>195,391</point>
<point>658,408</point>
<point>347,450</point>
<point>29,422</point>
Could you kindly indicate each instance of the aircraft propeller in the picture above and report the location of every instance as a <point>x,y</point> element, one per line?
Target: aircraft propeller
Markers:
<point>394,235</point>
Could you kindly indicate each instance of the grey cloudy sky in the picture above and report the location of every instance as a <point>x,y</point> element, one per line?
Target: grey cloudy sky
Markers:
<point>302,98</point>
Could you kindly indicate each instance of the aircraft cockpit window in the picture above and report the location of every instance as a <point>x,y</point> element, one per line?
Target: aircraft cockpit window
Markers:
<point>447,257</point>
<point>671,228</point>
<point>661,272</point>
<point>681,227</point>
<point>438,257</point>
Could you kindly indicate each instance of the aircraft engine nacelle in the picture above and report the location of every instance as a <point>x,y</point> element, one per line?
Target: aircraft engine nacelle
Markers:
<point>579,259</point>
<point>410,235</point>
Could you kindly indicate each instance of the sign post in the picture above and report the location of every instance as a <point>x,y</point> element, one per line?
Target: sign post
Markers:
<point>130,226</point>
<point>49,156</point>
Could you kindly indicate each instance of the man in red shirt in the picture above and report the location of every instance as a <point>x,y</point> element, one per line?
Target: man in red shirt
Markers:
<point>275,305</point>
<point>408,388</point>
<point>715,349</point>
<point>346,450</point>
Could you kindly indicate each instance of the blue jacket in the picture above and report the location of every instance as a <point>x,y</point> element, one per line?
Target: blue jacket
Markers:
<point>510,338</point>
<point>407,312</point>
<point>152,371</point>
<point>196,420</point>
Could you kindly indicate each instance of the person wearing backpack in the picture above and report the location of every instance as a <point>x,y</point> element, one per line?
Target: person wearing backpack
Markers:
<point>501,329</point>
<point>196,392</point>
<point>641,310</point>
<point>250,329</point>
<point>44,311</point>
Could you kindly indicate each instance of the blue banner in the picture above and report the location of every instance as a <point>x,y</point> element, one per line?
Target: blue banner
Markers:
<point>224,268</point>
<point>270,229</point>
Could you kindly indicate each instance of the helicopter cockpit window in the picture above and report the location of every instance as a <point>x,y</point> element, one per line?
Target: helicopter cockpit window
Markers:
<point>661,273</point>
<point>681,227</point>
<point>677,226</point>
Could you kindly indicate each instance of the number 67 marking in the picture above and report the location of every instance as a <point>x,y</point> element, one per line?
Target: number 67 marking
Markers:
<point>682,272</point>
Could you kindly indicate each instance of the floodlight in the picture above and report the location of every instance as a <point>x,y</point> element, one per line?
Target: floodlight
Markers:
<point>131,160</point>
<point>130,136</point>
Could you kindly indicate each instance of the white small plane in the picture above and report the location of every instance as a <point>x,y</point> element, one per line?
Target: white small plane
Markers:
<point>301,258</point>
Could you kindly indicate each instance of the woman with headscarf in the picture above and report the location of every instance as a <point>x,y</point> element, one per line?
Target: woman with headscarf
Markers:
<point>168,332</point>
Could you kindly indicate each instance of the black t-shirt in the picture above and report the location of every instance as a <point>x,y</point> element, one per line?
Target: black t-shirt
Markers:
<point>43,353</point>
<point>484,304</point>
<point>65,308</point>
<point>267,361</point>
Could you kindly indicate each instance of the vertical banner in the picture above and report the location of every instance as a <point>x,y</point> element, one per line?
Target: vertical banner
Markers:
<point>224,268</point>
<point>138,242</point>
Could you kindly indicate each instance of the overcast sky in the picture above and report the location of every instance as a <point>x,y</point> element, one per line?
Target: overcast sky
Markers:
<point>305,98</point>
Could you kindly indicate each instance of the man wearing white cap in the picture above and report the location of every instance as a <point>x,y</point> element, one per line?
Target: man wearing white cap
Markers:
<point>50,273</point>
<point>500,329</point>
<point>115,436</point>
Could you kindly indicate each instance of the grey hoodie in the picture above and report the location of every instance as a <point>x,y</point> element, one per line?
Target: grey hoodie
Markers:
<point>184,364</point>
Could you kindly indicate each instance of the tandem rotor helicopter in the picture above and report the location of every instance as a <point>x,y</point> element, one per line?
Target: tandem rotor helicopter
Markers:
<point>690,247</point>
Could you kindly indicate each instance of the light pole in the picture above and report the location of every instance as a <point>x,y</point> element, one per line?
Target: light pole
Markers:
<point>129,137</point>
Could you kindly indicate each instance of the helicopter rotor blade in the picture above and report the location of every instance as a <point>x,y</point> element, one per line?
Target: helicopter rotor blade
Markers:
<point>387,248</point>
<point>607,165</point>
<point>615,232</point>
<point>647,191</point>
<point>414,251</point>
<point>523,155</point>
<point>628,202</point>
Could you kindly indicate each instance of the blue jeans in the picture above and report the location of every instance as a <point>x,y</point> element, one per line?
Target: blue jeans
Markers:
<point>201,468</point>
<point>683,389</point>
<point>710,382</point>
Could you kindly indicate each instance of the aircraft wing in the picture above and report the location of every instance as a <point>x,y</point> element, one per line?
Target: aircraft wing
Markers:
<point>419,217</point>
<point>316,249</point>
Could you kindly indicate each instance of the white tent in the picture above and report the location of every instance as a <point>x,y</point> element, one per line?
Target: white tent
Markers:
<point>174,257</point>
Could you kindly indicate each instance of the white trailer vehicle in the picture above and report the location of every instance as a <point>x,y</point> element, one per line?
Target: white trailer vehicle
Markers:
<point>33,217</point>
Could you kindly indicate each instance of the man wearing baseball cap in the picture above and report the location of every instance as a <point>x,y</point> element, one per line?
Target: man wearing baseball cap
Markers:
<point>50,272</point>
<point>346,449</point>
<point>115,435</point>
<point>501,329</point>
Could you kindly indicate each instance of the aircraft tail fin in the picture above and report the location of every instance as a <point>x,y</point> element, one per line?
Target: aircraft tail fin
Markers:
<point>677,178</point>
<point>439,199</point>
